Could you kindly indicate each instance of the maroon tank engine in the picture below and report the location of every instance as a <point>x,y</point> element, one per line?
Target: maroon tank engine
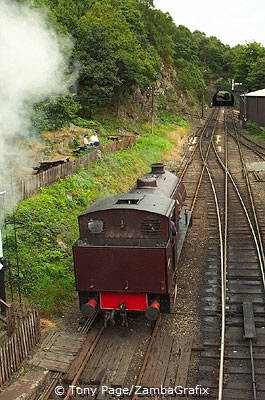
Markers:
<point>129,245</point>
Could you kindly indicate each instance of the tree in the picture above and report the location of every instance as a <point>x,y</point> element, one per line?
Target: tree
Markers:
<point>160,32</point>
<point>55,112</point>
<point>184,44</point>
<point>246,63</point>
<point>256,77</point>
<point>213,55</point>
<point>189,76</point>
<point>119,60</point>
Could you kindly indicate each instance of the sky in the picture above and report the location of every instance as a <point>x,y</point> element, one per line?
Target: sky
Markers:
<point>232,21</point>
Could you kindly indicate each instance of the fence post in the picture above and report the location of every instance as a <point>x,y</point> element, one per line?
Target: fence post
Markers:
<point>31,185</point>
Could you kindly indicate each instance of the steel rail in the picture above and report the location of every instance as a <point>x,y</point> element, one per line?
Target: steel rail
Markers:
<point>147,353</point>
<point>225,168</point>
<point>80,370</point>
<point>45,395</point>
<point>201,131</point>
<point>222,265</point>
<point>224,274</point>
<point>251,198</point>
<point>88,323</point>
<point>188,161</point>
<point>242,137</point>
<point>195,197</point>
<point>249,139</point>
<point>257,152</point>
<point>253,375</point>
<point>246,213</point>
<point>226,206</point>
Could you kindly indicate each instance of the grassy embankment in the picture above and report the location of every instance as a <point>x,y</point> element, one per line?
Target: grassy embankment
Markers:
<point>48,221</point>
<point>256,130</point>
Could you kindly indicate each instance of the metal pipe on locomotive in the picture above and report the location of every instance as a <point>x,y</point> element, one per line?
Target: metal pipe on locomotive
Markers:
<point>126,256</point>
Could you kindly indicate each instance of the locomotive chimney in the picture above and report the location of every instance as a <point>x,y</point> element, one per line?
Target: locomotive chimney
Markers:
<point>158,169</point>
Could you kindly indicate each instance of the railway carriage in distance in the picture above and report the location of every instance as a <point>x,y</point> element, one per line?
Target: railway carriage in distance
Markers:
<point>129,244</point>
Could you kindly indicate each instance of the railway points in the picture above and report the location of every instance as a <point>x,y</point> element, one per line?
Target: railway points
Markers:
<point>223,345</point>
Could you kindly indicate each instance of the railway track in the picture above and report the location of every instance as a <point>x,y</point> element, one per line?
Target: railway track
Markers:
<point>233,303</point>
<point>106,355</point>
<point>55,378</point>
<point>236,240</point>
<point>234,300</point>
<point>85,372</point>
<point>245,289</point>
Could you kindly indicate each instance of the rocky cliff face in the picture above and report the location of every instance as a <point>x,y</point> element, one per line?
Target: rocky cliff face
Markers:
<point>163,95</point>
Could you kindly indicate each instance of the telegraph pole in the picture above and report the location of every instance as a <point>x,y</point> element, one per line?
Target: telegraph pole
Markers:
<point>202,105</point>
<point>152,108</point>
<point>2,269</point>
<point>245,110</point>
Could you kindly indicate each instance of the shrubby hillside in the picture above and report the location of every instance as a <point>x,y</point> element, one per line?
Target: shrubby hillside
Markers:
<point>120,45</point>
<point>128,55</point>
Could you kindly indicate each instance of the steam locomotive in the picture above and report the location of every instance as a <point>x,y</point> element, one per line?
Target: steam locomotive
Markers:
<point>129,245</point>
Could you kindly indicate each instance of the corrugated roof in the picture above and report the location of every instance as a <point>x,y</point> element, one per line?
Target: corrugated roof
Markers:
<point>257,93</point>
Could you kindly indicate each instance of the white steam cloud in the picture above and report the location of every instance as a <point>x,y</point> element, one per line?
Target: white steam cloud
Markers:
<point>32,67</point>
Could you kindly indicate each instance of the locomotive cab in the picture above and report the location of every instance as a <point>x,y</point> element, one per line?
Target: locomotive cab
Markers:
<point>128,248</point>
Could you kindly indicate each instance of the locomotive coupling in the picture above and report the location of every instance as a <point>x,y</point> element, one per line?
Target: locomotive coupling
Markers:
<point>153,311</point>
<point>89,309</point>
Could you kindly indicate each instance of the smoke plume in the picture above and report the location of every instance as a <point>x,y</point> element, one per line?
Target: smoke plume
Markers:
<point>32,68</point>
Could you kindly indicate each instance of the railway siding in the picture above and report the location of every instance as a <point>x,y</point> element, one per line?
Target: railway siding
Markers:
<point>165,358</point>
<point>241,278</point>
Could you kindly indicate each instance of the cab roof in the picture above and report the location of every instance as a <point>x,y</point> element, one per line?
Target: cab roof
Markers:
<point>134,201</point>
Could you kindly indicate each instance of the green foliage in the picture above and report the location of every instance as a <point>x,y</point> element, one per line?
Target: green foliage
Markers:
<point>160,28</point>
<point>167,117</point>
<point>73,144</point>
<point>214,56</point>
<point>48,223</point>
<point>185,47</point>
<point>55,113</point>
<point>256,130</point>
<point>119,61</point>
<point>39,119</point>
<point>189,76</point>
<point>122,44</point>
<point>249,64</point>
<point>256,76</point>
<point>85,123</point>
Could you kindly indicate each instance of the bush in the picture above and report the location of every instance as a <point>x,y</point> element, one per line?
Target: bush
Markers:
<point>55,113</point>
<point>48,224</point>
<point>256,130</point>
<point>165,116</point>
<point>85,123</point>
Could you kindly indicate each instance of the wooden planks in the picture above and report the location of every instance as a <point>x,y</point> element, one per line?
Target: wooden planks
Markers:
<point>18,346</point>
<point>112,360</point>
<point>58,351</point>
<point>109,361</point>
<point>156,369</point>
<point>79,360</point>
<point>184,361</point>
<point>31,185</point>
<point>168,363</point>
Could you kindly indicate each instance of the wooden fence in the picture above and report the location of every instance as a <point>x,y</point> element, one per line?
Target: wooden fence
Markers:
<point>31,185</point>
<point>25,336</point>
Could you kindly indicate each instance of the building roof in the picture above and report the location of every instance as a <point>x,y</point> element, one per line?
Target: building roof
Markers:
<point>257,93</point>
<point>137,201</point>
